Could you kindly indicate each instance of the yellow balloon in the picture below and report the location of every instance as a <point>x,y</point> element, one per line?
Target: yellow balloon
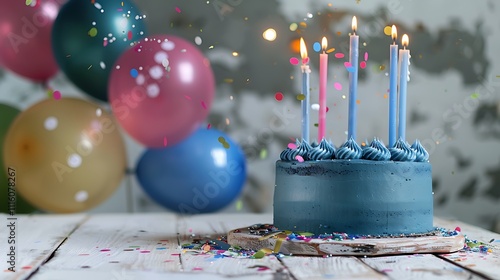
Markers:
<point>68,155</point>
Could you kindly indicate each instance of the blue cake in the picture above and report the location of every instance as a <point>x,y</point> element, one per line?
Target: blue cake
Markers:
<point>375,190</point>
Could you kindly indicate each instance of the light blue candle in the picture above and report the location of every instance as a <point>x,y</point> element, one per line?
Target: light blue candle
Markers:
<point>353,80</point>
<point>305,91</point>
<point>393,88</point>
<point>404,59</point>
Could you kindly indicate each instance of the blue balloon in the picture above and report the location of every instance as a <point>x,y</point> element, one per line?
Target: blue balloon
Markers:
<point>202,174</point>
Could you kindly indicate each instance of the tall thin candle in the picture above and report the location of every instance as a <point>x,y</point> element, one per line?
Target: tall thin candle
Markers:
<point>323,73</point>
<point>305,90</point>
<point>353,80</point>
<point>393,87</point>
<point>404,59</point>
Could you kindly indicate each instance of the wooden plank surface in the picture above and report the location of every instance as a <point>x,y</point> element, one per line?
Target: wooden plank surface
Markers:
<point>148,246</point>
<point>330,268</point>
<point>485,263</point>
<point>211,227</point>
<point>118,243</point>
<point>37,237</point>
<point>417,267</point>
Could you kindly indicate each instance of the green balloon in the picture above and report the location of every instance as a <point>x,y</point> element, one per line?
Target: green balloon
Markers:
<point>88,38</point>
<point>7,116</point>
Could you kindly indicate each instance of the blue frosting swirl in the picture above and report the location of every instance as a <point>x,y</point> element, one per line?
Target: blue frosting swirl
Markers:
<point>349,150</point>
<point>421,154</point>
<point>290,154</point>
<point>376,151</point>
<point>323,151</point>
<point>303,149</point>
<point>402,151</point>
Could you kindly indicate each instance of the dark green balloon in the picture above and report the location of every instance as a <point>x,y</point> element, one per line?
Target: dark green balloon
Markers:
<point>7,116</point>
<point>81,43</point>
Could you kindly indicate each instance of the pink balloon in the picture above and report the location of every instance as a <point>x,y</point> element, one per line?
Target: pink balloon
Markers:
<point>25,37</point>
<point>161,90</point>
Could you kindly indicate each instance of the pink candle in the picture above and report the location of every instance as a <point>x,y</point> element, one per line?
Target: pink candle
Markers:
<point>323,73</point>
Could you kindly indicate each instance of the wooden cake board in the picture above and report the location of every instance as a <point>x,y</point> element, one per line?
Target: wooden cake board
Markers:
<point>278,243</point>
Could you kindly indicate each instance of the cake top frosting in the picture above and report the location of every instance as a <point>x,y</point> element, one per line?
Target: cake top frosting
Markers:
<point>376,151</point>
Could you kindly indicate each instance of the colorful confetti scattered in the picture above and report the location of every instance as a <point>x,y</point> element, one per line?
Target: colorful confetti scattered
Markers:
<point>224,143</point>
<point>337,86</point>
<point>294,61</point>
<point>28,2</point>
<point>92,32</point>
<point>177,10</point>
<point>209,126</point>
<point>366,56</point>
<point>299,158</point>
<point>129,35</point>
<point>301,97</point>
<point>56,95</point>
<point>362,64</point>
<point>347,64</point>
<point>330,50</point>
<point>203,105</point>
<point>339,55</point>
<point>474,95</point>
<point>292,146</point>
<point>278,96</point>
<point>134,73</point>
<point>165,141</point>
<point>317,47</point>
<point>388,30</point>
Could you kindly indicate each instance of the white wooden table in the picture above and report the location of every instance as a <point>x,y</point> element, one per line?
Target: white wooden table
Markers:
<point>149,246</point>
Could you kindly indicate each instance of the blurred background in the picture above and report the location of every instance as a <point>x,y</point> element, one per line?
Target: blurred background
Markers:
<point>453,93</point>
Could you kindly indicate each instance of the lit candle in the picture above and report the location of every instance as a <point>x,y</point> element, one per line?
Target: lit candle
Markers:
<point>323,73</point>
<point>393,87</point>
<point>404,59</point>
<point>305,90</point>
<point>353,79</point>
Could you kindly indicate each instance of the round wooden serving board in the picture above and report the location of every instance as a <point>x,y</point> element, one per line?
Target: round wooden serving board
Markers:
<point>277,242</point>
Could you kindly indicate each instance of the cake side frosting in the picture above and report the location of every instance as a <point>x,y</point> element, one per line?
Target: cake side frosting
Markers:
<point>354,196</point>
<point>374,190</point>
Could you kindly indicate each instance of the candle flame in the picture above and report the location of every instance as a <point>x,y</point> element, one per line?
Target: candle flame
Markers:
<point>405,41</point>
<point>303,50</point>
<point>354,24</point>
<point>394,33</point>
<point>324,44</point>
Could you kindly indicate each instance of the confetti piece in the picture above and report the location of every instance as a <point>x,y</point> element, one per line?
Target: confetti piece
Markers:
<point>339,33</point>
<point>301,97</point>
<point>381,67</point>
<point>203,105</point>
<point>239,205</point>
<point>197,40</point>
<point>362,64</point>
<point>347,64</point>
<point>294,61</point>
<point>178,10</point>
<point>165,141</point>
<point>317,46</point>
<point>474,95</point>
<point>328,109</point>
<point>134,73</point>
<point>278,96</point>
<point>105,250</point>
<point>28,2</point>
<point>263,154</point>
<point>350,69</point>
<point>56,95</point>
<point>299,158</point>
<point>358,101</point>
<point>337,86</point>
<point>366,56</point>
<point>26,267</point>
<point>292,146</point>
<point>187,97</point>
<point>259,255</point>
<point>305,60</point>
<point>315,107</point>
<point>330,50</point>
<point>458,229</point>
<point>209,126</point>
<point>339,55</point>
<point>388,30</point>
<point>129,35</point>
<point>92,32</point>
